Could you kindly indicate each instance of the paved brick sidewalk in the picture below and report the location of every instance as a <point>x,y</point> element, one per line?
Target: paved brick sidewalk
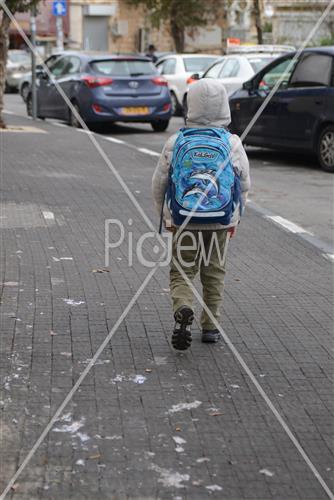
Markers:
<point>149,422</point>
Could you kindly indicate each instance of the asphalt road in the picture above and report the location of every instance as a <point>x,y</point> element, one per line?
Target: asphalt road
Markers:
<point>289,185</point>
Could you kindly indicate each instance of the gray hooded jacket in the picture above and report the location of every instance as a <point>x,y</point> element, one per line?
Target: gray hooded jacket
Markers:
<point>207,107</point>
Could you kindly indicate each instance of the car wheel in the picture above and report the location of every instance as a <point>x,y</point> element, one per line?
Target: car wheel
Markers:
<point>73,120</point>
<point>160,126</point>
<point>25,91</point>
<point>325,151</point>
<point>175,104</point>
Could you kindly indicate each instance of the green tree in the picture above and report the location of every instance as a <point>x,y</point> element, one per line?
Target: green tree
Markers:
<point>14,6</point>
<point>180,15</point>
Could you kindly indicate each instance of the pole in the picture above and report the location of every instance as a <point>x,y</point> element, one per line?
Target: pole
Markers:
<point>60,33</point>
<point>33,62</point>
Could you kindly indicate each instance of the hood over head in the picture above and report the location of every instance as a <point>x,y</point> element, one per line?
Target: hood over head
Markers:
<point>208,104</point>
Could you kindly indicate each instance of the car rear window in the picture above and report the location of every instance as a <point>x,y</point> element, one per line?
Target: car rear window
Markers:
<point>124,67</point>
<point>18,57</point>
<point>258,63</point>
<point>195,64</point>
<point>313,69</point>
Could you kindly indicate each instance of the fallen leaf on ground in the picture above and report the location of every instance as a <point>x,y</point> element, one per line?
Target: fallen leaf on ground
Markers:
<point>148,370</point>
<point>95,456</point>
<point>178,429</point>
<point>101,270</point>
<point>52,332</point>
<point>215,414</point>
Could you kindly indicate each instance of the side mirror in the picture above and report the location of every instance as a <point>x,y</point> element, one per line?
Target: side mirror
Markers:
<point>249,85</point>
<point>195,76</point>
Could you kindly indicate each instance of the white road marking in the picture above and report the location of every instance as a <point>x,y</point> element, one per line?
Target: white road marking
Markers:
<point>290,226</point>
<point>84,131</point>
<point>148,151</point>
<point>48,215</point>
<point>113,139</point>
<point>329,256</point>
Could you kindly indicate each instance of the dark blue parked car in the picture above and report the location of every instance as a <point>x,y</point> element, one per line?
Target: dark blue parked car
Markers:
<point>104,88</point>
<point>300,115</point>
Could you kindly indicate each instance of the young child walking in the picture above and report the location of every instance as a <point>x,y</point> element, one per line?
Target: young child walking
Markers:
<point>201,183</point>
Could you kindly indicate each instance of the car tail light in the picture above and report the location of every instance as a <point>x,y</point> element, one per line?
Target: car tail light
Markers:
<point>191,80</point>
<point>97,108</point>
<point>158,80</point>
<point>166,107</point>
<point>96,81</point>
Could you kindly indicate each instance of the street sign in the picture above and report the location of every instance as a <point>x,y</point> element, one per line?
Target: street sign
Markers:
<point>59,8</point>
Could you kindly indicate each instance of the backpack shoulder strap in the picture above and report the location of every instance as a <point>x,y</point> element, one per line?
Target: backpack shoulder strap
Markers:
<point>179,138</point>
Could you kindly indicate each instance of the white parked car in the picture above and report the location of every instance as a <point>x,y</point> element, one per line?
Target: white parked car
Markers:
<point>240,65</point>
<point>25,82</point>
<point>18,63</point>
<point>236,69</point>
<point>177,68</point>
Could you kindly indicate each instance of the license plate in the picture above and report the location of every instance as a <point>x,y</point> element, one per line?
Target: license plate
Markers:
<point>143,110</point>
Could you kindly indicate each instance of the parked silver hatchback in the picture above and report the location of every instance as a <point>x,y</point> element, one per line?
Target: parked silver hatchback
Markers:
<point>18,63</point>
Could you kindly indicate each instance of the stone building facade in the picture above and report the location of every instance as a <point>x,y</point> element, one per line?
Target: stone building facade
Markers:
<point>293,20</point>
<point>116,26</point>
<point>112,26</point>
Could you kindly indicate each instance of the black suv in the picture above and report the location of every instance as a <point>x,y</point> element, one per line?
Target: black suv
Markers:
<point>300,115</point>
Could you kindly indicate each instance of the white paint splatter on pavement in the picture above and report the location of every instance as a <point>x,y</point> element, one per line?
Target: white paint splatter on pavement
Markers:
<point>72,302</point>
<point>179,440</point>
<point>170,479</point>
<point>214,487</point>
<point>184,406</point>
<point>138,379</point>
<point>266,472</point>
<point>71,428</point>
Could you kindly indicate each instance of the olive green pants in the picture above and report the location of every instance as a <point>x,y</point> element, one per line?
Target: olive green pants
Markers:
<point>203,252</point>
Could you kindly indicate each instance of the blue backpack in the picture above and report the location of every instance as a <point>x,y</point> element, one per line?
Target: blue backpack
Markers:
<point>202,179</point>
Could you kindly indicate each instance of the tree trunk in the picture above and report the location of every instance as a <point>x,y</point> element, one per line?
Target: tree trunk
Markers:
<point>178,36</point>
<point>258,22</point>
<point>177,30</point>
<point>4,28</point>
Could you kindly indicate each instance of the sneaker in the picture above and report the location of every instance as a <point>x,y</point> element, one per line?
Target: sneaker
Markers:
<point>181,338</point>
<point>210,336</point>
